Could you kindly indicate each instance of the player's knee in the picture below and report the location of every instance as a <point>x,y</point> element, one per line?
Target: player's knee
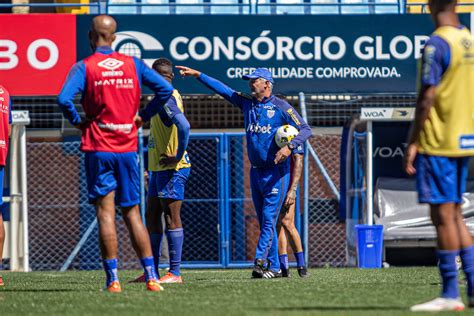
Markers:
<point>443,216</point>
<point>287,223</point>
<point>105,218</point>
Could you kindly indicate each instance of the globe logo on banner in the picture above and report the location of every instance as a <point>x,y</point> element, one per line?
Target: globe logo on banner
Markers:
<point>134,43</point>
<point>131,49</point>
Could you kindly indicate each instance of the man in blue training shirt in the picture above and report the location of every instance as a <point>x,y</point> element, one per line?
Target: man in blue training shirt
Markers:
<point>270,172</point>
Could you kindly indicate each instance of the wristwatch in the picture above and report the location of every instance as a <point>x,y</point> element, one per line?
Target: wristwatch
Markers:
<point>291,145</point>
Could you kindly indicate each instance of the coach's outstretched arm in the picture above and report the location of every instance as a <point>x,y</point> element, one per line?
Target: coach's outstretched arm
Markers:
<point>215,85</point>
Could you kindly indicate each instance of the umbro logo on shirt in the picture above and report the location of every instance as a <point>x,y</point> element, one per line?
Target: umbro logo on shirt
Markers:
<point>110,63</point>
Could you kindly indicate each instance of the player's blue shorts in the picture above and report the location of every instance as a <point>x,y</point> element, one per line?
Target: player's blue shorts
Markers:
<point>440,179</point>
<point>107,172</point>
<point>168,184</point>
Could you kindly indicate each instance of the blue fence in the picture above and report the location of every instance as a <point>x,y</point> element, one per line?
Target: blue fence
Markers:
<point>221,228</point>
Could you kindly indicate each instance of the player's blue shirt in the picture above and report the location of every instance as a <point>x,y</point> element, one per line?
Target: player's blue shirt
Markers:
<point>261,121</point>
<point>435,61</point>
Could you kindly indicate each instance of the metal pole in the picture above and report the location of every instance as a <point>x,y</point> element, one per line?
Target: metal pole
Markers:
<point>369,184</point>
<point>224,216</point>
<point>14,207</point>
<point>79,245</point>
<point>142,173</point>
<point>24,199</point>
<point>302,102</point>
<point>325,174</point>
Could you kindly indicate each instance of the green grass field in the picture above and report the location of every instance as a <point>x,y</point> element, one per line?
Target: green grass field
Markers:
<point>223,292</point>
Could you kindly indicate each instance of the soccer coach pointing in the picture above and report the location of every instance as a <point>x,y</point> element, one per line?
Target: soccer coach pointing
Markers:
<point>270,172</point>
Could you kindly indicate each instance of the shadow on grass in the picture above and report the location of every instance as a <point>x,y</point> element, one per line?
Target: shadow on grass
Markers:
<point>334,308</point>
<point>37,290</point>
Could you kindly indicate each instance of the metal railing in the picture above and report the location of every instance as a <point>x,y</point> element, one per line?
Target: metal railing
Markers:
<point>252,7</point>
<point>423,7</point>
<point>96,5</point>
<point>173,8</point>
<point>338,7</point>
<point>239,7</point>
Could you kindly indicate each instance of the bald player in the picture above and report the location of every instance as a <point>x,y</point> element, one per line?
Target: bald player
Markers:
<point>442,140</point>
<point>110,84</point>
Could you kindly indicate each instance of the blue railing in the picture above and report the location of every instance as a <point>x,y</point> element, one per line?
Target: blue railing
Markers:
<point>262,7</point>
<point>272,7</point>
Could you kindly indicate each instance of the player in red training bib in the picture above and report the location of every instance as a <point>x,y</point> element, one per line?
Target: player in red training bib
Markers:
<point>110,84</point>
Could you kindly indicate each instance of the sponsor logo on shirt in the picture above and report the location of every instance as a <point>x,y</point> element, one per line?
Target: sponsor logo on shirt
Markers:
<point>293,116</point>
<point>466,142</point>
<point>3,106</point>
<point>428,58</point>
<point>466,43</point>
<point>124,128</point>
<point>125,83</point>
<point>151,142</point>
<point>256,128</point>
<point>111,64</point>
<point>275,191</point>
<point>167,110</point>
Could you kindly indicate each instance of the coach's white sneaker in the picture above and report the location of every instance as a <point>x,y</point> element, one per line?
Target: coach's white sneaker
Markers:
<point>439,304</point>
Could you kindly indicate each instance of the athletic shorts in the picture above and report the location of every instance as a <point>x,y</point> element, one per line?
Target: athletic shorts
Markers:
<point>439,179</point>
<point>107,172</point>
<point>168,184</point>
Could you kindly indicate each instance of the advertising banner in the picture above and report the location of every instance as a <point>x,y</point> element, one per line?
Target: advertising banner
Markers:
<point>310,53</point>
<point>36,52</point>
<point>314,54</point>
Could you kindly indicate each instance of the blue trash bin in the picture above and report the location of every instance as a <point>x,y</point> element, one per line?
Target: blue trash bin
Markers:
<point>369,246</point>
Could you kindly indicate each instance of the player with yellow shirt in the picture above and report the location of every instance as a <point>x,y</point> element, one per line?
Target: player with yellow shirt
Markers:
<point>440,144</point>
<point>169,168</point>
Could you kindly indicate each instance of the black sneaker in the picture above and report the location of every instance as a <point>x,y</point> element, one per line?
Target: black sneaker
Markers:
<point>272,274</point>
<point>471,301</point>
<point>285,273</point>
<point>303,273</point>
<point>257,272</point>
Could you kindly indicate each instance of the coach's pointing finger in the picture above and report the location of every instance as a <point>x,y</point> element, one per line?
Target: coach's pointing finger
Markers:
<point>188,72</point>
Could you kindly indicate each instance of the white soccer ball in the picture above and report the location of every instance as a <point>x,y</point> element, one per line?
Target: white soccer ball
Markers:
<point>285,134</point>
